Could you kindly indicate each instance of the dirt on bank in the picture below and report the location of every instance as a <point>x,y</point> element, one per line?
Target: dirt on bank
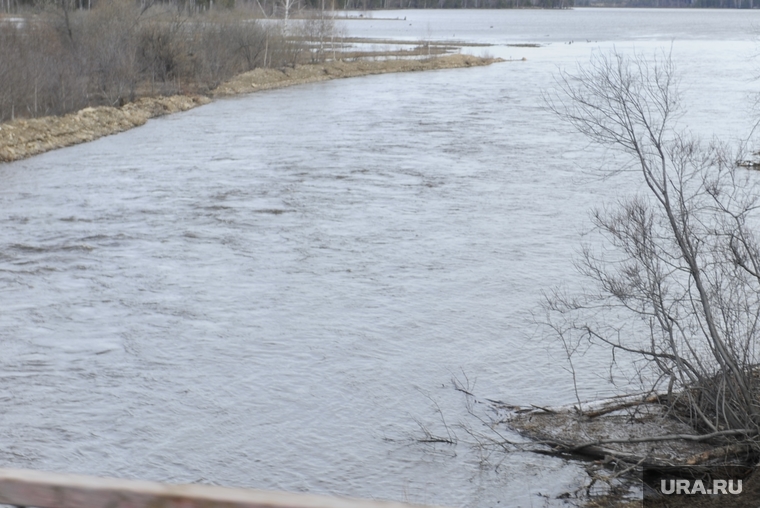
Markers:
<point>26,137</point>
<point>266,79</point>
<point>23,138</point>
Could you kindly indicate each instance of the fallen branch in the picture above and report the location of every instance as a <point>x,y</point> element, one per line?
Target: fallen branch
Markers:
<point>668,437</point>
<point>561,449</point>
<point>652,399</point>
<point>717,453</point>
<point>594,409</point>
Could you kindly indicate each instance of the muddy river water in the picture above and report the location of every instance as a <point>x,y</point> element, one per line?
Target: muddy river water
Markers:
<point>275,291</point>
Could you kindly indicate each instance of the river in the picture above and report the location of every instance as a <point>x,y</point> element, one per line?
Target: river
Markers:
<point>275,291</point>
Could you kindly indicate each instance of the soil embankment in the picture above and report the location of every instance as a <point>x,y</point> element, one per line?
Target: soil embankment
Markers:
<point>23,138</point>
<point>265,79</point>
<point>26,137</point>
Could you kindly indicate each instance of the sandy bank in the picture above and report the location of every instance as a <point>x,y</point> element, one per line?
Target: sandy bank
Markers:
<point>266,79</point>
<point>26,137</point>
<point>23,138</point>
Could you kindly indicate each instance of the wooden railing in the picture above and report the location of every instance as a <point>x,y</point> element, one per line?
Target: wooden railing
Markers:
<point>27,488</point>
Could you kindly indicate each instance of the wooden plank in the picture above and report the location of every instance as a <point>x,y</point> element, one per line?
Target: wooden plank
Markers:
<point>22,487</point>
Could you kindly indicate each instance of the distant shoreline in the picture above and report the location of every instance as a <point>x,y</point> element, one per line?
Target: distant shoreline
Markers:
<point>22,138</point>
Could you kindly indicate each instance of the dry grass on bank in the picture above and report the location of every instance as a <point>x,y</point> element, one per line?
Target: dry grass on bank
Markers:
<point>26,137</point>
<point>265,79</point>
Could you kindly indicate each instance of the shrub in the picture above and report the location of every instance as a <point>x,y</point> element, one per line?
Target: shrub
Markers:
<point>64,59</point>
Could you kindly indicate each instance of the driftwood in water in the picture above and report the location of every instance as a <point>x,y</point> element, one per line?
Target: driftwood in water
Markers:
<point>631,430</point>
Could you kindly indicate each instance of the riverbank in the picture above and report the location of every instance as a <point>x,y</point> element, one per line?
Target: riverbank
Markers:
<point>23,138</point>
<point>629,444</point>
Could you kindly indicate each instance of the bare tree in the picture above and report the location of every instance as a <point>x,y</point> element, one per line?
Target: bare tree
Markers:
<point>679,289</point>
<point>287,6</point>
<point>109,49</point>
<point>315,32</point>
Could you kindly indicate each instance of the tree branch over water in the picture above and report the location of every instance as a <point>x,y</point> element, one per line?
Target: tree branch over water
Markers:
<point>680,260</point>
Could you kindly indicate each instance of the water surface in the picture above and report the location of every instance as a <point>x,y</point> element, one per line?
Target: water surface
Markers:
<point>269,291</point>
